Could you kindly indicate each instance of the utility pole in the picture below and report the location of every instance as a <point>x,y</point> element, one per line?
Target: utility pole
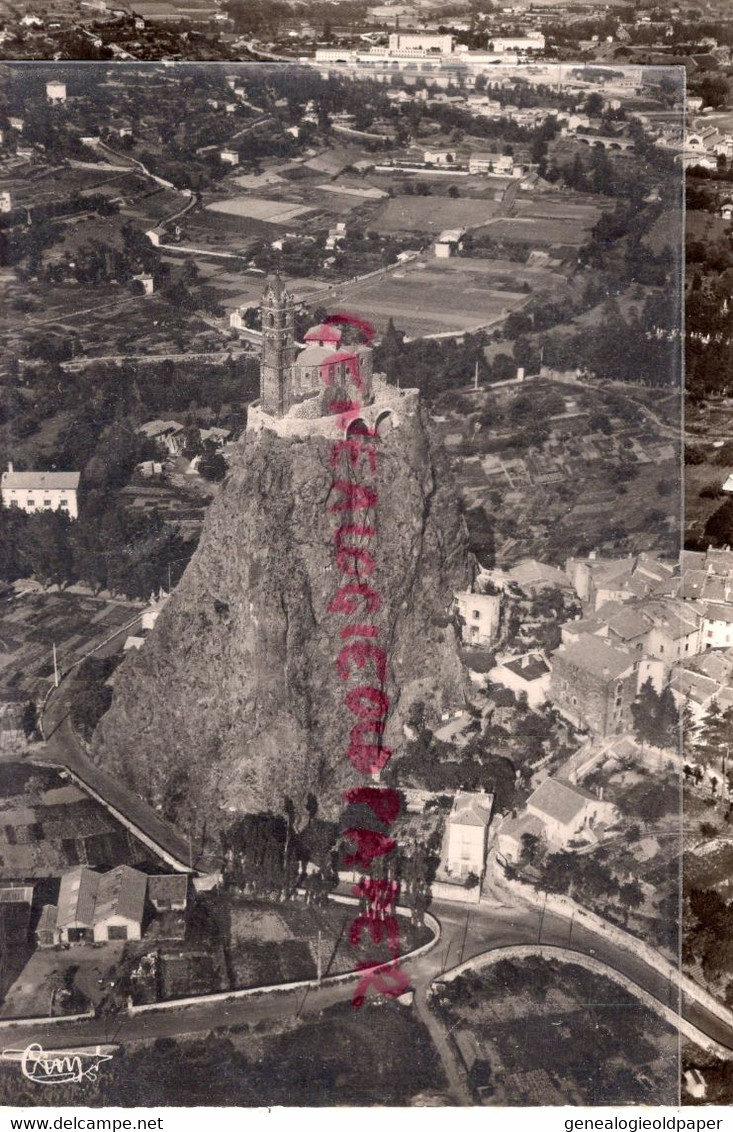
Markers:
<point>319,972</point>
<point>465,933</point>
<point>55,667</point>
<point>542,916</point>
<point>475,377</point>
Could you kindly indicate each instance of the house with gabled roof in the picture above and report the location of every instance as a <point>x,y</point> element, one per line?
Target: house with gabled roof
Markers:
<point>99,907</point>
<point>557,813</point>
<point>467,831</point>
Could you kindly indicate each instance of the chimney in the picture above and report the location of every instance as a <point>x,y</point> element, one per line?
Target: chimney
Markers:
<point>600,793</point>
<point>10,465</point>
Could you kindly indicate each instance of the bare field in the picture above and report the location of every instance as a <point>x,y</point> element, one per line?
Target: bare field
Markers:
<point>446,295</point>
<point>533,230</point>
<point>259,208</point>
<point>432,214</point>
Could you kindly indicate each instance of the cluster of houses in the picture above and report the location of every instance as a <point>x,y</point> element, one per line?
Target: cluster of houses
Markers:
<point>643,619</point>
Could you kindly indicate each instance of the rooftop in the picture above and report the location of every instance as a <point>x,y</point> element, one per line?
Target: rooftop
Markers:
<point>531,666</point>
<point>40,481</point>
<point>560,800</point>
<point>171,886</point>
<point>471,809</point>
<point>597,656</point>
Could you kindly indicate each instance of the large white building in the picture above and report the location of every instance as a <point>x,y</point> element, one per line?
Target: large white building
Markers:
<point>467,831</point>
<point>41,491</point>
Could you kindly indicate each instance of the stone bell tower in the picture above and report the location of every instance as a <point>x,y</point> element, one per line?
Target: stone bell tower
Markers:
<point>278,348</point>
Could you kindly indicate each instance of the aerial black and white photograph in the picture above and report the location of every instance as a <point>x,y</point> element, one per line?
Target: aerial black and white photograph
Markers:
<point>366,685</point>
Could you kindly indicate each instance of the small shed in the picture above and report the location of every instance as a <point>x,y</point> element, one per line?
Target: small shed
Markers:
<point>46,928</point>
<point>169,892</point>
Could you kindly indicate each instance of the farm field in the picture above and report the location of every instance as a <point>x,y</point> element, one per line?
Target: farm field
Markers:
<point>48,826</point>
<point>527,1036</point>
<point>441,296</point>
<point>553,208</point>
<point>31,622</point>
<point>259,208</point>
<point>432,214</point>
<point>546,231</point>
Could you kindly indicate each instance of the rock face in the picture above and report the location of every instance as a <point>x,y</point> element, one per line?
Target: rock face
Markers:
<point>235,702</point>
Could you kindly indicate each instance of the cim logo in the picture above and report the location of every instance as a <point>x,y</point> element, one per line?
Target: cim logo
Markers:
<point>58,1067</point>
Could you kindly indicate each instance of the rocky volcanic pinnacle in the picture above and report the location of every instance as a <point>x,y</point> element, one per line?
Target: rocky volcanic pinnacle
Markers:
<point>234,701</point>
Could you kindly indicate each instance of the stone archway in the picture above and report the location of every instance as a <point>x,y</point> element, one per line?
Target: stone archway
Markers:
<point>384,423</point>
<point>358,427</point>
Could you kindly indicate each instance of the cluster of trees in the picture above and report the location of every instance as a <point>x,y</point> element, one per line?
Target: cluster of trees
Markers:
<point>655,716</point>
<point>585,876</point>
<point>708,744</point>
<point>634,348</point>
<point>92,694</point>
<point>107,401</point>
<point>107,547</point>
<point>708,937</point>
<point>709,320</point>
<point>266,855</point>
<point>430,764</point>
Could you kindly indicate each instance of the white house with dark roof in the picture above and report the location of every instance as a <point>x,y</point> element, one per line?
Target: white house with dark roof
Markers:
<point>467,831</point>
<point>41,491</point>
<point>528,674</point>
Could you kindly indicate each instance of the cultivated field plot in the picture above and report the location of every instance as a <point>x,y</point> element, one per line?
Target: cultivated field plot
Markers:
<point>58,182</point>
<point>360,192</point>
<point>445,296</point>
<point>48,827</point>
<point>432,214</point>
<point>31,622</point>
<point>154,205</point>
<point>550,232</point>
<point>279,943</point>
<point>210,230</point>
<point>259,208</point>
<point>541,1032</point>
<point>104,327</point>
<point>552,208</point>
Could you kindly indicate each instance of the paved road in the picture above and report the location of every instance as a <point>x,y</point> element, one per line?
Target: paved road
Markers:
<point>149,359</point>
<point>64,749</point>
<point>466,932</point>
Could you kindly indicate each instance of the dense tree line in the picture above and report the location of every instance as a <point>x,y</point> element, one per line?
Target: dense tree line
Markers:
<point>107,547</point>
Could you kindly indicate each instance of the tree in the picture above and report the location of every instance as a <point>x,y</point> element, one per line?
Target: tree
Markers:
<point>530,848</point>
<point>30,719</point>
<point>655,716</point>
<point>716,735</point>
<point>213,467</point>
<point>631,895</point>
<point>46,548</point>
